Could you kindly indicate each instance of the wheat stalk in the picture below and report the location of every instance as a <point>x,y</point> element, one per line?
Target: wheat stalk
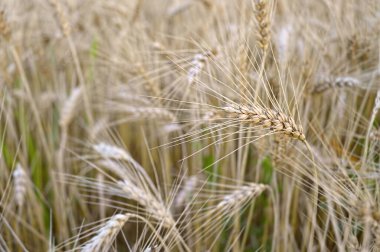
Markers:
<point>104,238</point>
<point>267,118</point>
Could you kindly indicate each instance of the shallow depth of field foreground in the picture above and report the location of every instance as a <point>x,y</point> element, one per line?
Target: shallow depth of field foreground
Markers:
<point>189,125</point>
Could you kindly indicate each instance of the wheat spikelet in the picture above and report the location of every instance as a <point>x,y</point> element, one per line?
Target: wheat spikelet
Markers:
<point>263,23</point>
<point>241,195</point>
<point>267,118</point>
<point>111,152</point>
<point>104,238</point>
<point>70,107</point>
<point>151,204</point>
<point>339,82</point>
<point>20,185</point>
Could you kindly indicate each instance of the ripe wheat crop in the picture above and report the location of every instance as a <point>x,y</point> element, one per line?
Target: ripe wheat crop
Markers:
<point>189,125</point>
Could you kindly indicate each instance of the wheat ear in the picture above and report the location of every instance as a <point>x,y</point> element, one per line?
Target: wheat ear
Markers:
<point>339,82</point>
<point>267,118</point>
<point>20,185</point>
<point>104,238</point>
<point>241,195</point>
<point>64,24</point>
<point>151,113</point>
<point>197,65</point>
<point>111,152</point>
<point>151,204</point>
<point>70,107</point>
<point>263,23</point>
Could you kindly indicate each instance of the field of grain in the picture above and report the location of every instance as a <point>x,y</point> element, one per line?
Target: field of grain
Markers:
<point>189,125</point>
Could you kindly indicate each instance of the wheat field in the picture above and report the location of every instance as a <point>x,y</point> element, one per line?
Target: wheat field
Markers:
<point>189,125</point>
